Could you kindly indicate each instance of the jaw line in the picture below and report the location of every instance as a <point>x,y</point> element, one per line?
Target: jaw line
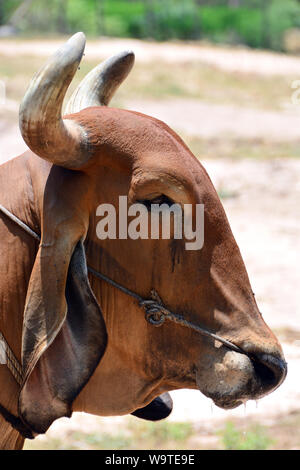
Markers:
<point>230,405</point>
<point>234,394</point>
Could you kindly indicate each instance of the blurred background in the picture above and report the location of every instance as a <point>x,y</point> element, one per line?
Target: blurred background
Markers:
<point>226,76</point>
<point>255,23</point>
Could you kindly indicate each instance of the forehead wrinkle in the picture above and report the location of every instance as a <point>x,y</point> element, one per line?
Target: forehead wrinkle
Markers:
<point>122,130</point>
<point>144,142</point>
<point>181,171</point>
<point>154,175</point>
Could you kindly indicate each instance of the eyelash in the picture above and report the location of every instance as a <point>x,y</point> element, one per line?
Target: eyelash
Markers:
<point>163,199</point>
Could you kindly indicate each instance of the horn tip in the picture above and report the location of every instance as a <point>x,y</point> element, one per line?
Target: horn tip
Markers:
<point>80,36</point>
<point>77,41</point>
<point>127,55</point>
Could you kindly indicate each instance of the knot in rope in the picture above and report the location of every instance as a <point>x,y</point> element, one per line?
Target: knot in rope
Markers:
<point>155,312</point>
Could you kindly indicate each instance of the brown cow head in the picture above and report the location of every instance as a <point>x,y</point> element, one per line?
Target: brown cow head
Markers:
<point>98,154</point>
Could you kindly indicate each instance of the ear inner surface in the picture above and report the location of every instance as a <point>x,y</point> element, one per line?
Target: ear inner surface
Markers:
<point>64,335</point>
<point>69,361</point>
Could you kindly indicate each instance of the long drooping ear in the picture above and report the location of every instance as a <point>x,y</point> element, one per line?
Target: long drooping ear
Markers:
<point>101,83</point>
<point>64,334</point>
<point>159,408</point>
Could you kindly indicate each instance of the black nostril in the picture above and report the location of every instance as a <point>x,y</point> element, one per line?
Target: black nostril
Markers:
<point>270,369</point>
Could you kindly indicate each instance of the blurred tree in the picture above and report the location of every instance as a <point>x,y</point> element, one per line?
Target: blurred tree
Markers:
<point>196,24</point>
<point>61,18</point>
<point>265,29</point>
<point>150,17</point>
<point>100,17</point>
<point>1,12</point>
<point>257,23</point>
<point>15,15</point>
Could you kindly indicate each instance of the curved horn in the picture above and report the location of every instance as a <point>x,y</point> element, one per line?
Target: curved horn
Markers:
<point>59,141</point>
<point>99,86</point>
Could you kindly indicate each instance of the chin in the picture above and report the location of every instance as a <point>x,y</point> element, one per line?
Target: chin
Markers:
<point>230,378</point>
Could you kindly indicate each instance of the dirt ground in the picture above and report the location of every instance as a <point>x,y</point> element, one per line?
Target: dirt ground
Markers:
<point>261,198</point>
<point>240,59</point>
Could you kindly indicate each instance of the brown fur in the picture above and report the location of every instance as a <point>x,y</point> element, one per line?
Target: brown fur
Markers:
<point>129,154</point>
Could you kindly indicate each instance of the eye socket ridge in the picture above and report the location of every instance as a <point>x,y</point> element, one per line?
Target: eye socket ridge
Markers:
<point>162,199</point>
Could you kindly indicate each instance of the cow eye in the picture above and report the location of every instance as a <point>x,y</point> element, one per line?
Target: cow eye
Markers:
<point>162,199</point>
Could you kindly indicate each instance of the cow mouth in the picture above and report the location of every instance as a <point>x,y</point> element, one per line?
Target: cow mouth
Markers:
<point>238,378</point>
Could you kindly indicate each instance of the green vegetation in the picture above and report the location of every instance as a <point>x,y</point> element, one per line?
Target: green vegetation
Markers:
<point>237,149</point>
<point>163,434</point>
<point>255,438</point>
<point>163,81</point>
<point>256,23</point>
<point>82,441</point>
<point>133,434</point>
<point>136,435</point>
